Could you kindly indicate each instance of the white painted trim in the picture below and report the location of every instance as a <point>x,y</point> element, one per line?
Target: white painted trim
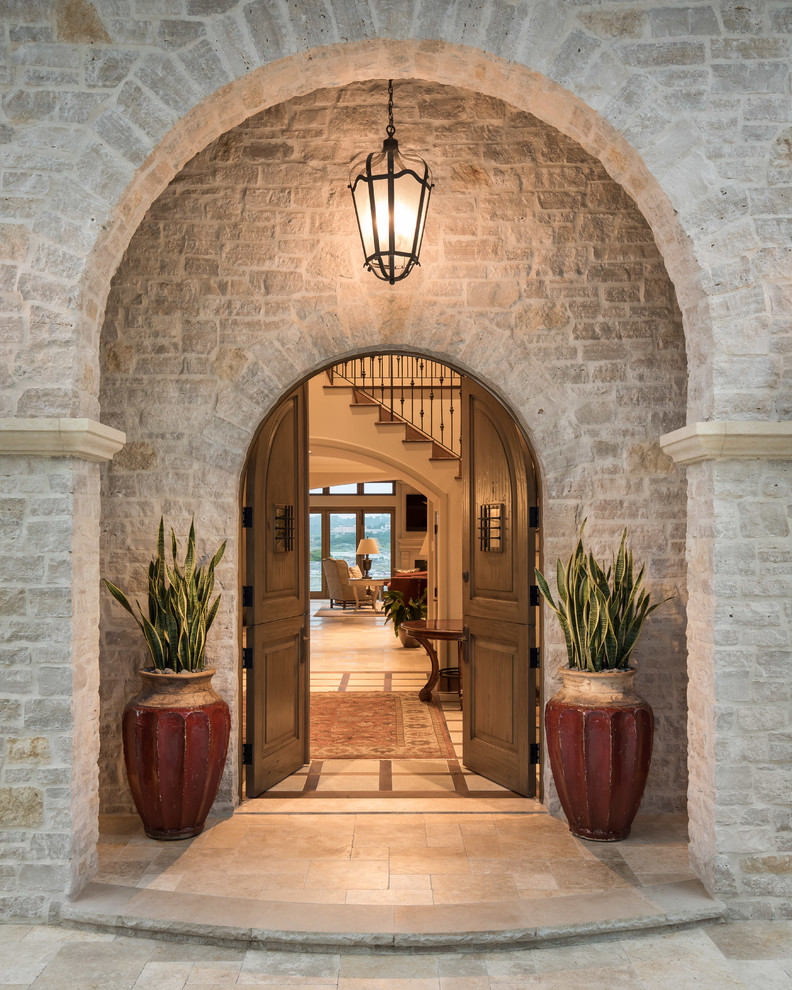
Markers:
<point>729,439</point>
<point>49,437</point>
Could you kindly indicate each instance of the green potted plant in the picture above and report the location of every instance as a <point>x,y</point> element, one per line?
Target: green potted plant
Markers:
<point>397,610</point>
<point>599,731</point>
<point>176,730</point>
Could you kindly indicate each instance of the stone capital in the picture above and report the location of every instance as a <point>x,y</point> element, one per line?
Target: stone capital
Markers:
<point>51,437</point>
<point>724,440</point>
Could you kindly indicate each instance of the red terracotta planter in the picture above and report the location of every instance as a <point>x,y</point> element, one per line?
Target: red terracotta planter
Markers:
<point>599,739</point>
<point>175,742</point>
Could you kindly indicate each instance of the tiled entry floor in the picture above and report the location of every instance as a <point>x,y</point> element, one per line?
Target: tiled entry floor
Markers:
<point>357,652</point>
<point>404,859</point>
<point>719,957</point>
<point>397,869</point>
<point>398,882</point>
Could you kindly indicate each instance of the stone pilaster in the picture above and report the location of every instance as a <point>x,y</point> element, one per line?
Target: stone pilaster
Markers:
<point>49,618</point>
<point>739,550</point>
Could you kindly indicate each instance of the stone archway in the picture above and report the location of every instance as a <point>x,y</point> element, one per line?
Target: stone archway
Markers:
<point>206,328</point>
<point>657,95</point>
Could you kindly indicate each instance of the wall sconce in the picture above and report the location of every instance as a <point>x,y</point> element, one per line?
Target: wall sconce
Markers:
<point>391,196</point>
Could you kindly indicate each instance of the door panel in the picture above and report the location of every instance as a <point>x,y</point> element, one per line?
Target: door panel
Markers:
<point>499,550</point>
<point>276,622</point>
<point>499,704</point>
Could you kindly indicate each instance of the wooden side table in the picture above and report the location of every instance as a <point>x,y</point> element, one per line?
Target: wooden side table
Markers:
<point>358,584</point>
<point>425,630</point>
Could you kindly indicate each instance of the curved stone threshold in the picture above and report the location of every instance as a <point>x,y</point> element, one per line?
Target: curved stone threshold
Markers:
<point>177,916</point>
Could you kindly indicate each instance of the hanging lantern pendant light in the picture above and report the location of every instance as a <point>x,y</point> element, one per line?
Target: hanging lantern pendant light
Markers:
<point>391,192</point>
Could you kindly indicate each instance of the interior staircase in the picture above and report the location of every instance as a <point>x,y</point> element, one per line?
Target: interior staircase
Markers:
<point>388,420</point>
<point>413,399</point>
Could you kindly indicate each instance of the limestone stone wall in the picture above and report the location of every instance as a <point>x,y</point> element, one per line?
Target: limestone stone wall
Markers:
<point>102,102</point>
<point>539,276</point>
<point>48,685</point>
<point>687,105</point>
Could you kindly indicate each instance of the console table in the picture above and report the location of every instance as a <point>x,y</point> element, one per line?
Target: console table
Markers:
<point>425,630</point>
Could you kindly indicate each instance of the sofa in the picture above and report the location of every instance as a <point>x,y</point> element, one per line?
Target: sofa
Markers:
<point>412,584</point>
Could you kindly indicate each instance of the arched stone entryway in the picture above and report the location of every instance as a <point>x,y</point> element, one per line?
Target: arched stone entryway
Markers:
<point>540,277</point>
<point>652,131</point>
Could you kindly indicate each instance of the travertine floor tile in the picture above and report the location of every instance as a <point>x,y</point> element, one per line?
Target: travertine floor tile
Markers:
<point>473,889</point>
<point>430,860</point>
<point>390,896</point>
<point>681,959</point>
<point>368,874</point>
<point>753,939</point>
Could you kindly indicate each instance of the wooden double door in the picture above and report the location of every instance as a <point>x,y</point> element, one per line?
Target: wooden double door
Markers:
<point>499,552</point>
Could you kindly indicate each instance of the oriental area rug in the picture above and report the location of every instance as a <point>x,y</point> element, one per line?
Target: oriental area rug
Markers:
<point>377,725</point>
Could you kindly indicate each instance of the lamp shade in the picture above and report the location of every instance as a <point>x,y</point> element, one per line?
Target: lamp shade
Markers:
<point>369,546</point>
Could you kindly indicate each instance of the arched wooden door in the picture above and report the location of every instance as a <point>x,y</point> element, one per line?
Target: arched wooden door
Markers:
<point>276,597</point>
<point>499,552</point>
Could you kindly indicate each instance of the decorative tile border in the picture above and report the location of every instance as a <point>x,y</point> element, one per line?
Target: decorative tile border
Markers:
<point>49,437</point>
<point>722,440</point>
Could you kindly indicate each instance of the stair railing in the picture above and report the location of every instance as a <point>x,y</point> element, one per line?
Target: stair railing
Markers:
<point>423,393</point>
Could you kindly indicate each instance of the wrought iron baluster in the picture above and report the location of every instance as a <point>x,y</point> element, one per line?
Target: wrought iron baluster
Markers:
<point>412,389</point>
<point>442,404</point>
<point>431,400</point>
<point>421,371</point>
<point>460,425</point>
<point>401,384</point>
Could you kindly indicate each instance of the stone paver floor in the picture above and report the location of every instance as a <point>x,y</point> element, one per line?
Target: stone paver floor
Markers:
<point>718,957</point>
<point>392,858</point>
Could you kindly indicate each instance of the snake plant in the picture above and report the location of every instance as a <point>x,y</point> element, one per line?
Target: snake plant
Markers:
<point>397,610</point>
<point>179,613</point>
<point>600,612</point>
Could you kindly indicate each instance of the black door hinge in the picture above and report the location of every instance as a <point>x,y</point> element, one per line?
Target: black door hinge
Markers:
<point>247,754</point>
<point>533,595</point>
<point>247,595</point>
<point>533,517</point>
<point>533,653</point>
<point>534,753</point>
<point>247,657</point>
<point>247,517</point>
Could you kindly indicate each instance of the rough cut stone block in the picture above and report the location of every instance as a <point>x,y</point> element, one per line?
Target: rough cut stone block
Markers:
<point>21,807</point>
<point>683,21</point>
<point>29,749</point>
<point>750,77</point>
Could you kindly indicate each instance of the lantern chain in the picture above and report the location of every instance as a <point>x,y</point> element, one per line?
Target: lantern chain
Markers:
<point>390,129</point>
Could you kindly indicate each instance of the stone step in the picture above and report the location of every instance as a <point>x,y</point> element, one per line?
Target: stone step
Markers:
<point>244,922</point>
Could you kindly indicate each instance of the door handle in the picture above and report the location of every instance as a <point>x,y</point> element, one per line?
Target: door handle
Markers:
<point>465,576</point>
<point>304,641</point>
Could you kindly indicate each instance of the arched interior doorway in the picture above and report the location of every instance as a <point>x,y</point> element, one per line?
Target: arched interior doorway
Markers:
<point>480,548</point>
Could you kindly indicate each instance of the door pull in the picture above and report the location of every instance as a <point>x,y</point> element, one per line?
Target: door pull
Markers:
<point>465,576</point>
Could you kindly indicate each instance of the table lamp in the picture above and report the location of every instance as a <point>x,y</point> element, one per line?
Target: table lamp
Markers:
<point>366,547</point>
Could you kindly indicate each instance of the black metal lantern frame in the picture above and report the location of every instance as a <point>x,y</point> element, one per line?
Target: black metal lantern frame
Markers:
<point>391,193</point>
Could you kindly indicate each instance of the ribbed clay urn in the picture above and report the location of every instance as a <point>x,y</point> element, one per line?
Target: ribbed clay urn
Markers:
<point>176,729</point>
<point>599,731</point>
<point>599,740</point>
<point>175,734</point>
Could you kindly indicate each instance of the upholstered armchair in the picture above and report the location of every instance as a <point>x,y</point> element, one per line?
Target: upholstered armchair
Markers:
<point>336,574</point>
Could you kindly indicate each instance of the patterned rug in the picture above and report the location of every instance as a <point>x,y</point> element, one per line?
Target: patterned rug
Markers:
<point>377,725</point>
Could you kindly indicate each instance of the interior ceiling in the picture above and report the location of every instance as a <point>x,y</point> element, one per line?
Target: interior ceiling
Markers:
<point>324,469</point>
